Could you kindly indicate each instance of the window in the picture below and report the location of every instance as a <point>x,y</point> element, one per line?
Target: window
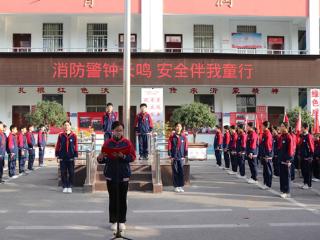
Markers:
<point>97,37</point>
<point>246,103</point>
<point>205,99</point>
<point>246,29</point>
<point>53,98</point>
<point>203,38</point>
<point>21,42</point>
<point>275,44</point>
<point>302,40</point>
<point>96,102</point>
<point>303,96</point>
<point>133,42</point>
<point>52,35</point>
<point>173,43</point>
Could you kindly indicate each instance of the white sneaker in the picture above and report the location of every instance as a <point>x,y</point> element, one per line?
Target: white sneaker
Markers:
<point>181,189</point>
<point>65,190</point>
<point>305,186</point>
<point>177,189</point>
<point>232,173</point>
<point>283,195</point>
<point>5,169</point>
<point>14,177</point>
<point>315,180</point>
<point>251,181</point>
<point>114,227</point>
<point>122,226</point>
<point>69,190</point>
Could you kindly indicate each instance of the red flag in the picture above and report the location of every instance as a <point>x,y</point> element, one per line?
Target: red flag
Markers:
<point>316,123</point>
<point>258,124</point>
<point>298,124</point>
<point>285,118</point>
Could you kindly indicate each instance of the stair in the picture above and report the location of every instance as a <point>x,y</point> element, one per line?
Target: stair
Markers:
<point>141,178</point>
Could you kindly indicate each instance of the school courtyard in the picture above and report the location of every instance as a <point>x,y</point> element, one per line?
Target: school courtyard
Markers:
<point>215,206</point>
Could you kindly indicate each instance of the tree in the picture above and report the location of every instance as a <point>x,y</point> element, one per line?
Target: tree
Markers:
<point>47,113</point>
<point>293,115</point>
<point>194,116</point>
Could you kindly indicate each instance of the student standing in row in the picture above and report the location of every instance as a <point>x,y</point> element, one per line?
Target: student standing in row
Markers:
<point>241,150</point>
<point>66,153</point>
<point>13,151</point>
<point>252,152</point>
<point>217,144</point>
<point>42,141</point>
<point>31,144</point>
<point>178,151</point>
<point>266,153</point>
<point>108,119</point>
<point>3,145</point>
<point>233,150</point>
<point>226,152</point>
<point>23,149</point>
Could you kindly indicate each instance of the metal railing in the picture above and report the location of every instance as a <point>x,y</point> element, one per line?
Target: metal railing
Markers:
<point>263,51</point>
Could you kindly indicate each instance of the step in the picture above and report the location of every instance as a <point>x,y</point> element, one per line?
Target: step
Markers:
<point>100,186</point>
<point>134,167</point>
<point>141,176</point>
<point>140,186</point>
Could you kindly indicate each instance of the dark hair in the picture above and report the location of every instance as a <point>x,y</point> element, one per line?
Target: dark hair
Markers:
<point>41,125</point>
<point>233,127</point>
<point>116,124</point>
<point>22,127</point>
<point>29,126</point>
<point>305,125</point>
<point>177,123</point>
<point>4,125</point>
<point>266,124</point>
<point>240,126</point>
<point>1,122</point>
<point>143,105</point>
<point>285,124</point>
<point>109,104</point>
<point>250,124</point>
<point>218,127</point>
<point>12,127</point>
<point>66,121</point>
<point>226,127</point>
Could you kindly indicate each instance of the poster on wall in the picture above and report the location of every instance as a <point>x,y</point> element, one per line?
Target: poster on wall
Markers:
<point>153,97</point>
<point>91,121</point>
<point>246,40</point>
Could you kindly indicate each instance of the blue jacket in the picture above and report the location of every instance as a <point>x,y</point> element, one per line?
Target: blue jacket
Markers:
<point>13,144</point>
<point>67,146</point>
<point>108,120</point>
<point>286,148</point>
<point>178,146</point>
<point>143,123</point>
<point>307,146</point>
<point>42,139</point>
<point>117,169</point>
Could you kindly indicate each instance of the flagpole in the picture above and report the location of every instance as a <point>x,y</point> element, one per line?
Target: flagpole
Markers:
<point>127,68</point>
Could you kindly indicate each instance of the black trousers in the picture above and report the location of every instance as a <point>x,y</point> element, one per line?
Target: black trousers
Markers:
<point>143,145</point>
<point>234,162</point>
<point>177,172</point>
<point>41,154</point>
<point>226,156</point>
<point>285,178</point>
<point>276,166</point>
<point>67,173</point>
<point>32,156</point>
<point>241,164</point>
<point>316,167</point>
<point>117,201</point>
<point>306,167</point>
<point>253,167</point>
<point>1,166</point>
<point>267,172</point>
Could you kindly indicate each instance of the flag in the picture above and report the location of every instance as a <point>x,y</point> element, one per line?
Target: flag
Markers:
<point>285,118</point>
<point>316,123</point>
<point>298,124</point>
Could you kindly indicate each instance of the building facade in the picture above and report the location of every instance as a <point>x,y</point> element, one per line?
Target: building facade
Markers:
<point>234,55</point>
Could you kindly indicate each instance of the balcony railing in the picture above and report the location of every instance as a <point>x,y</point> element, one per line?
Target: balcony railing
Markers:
<point>167,50</point>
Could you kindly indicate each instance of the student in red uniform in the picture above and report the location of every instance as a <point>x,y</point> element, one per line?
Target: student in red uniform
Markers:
<point>3,146</point>
<point>316,158</point>
<point>217,145</point>
<point>31,145</point>
<point>23,149</point>
<point>294,163</point>
<point>252,152</point>
<point>276,141</point>
<point>13,151</point>
<point>178,151</point>
<point>286,154</point>
<point>117,153</point>
<point>143,126</point>
<point>42,141</point>
<point>241,150</point>
<point>266,153</point>
<point>306,155</point>
<point>233,150</point>
<point>226,152</point>
<point>66,154</point>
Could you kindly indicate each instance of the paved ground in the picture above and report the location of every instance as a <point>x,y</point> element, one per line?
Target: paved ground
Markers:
<point>216,206</point>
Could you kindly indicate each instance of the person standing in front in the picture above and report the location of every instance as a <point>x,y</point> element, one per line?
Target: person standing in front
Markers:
<point>233,150</point>
<point>143,125</point>
<point>3,146</point>
<point>226,152</point>
<point>108,119</point>
<point>217,145</point>
<point>178,151</point>
<point>42,141</point>
<point>266,153</point>
<point>252,152</point>
<point>66,153</point>
<point>23,149</point>
<point>306,155</point>
<point>117,153</point>
<point>286,154</point>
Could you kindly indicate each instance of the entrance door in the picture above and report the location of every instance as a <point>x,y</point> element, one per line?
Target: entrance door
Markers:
<point>275,114</point>
<point>133,112</point>
<point>21,42</point>
<point>19,115</point>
